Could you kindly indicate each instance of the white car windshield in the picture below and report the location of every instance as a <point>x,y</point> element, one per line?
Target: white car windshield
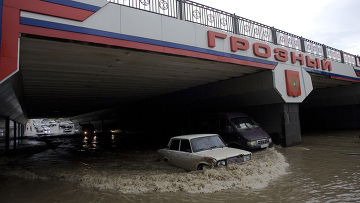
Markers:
<point>206,143</point>
<point>244,123</point>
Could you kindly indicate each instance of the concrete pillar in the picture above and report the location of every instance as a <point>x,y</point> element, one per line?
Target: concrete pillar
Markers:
<point>15,134</point>
<point>292,128</point>
<point>281,121</point>
<point>7,134</point>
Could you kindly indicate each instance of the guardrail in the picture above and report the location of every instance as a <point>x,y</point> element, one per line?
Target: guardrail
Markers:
<point>201,14</point>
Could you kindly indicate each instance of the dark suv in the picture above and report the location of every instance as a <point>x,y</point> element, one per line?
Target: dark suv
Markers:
<point>236,129</point>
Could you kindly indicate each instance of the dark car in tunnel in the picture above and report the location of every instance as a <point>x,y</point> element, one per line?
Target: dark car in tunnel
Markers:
<point>236,129</point>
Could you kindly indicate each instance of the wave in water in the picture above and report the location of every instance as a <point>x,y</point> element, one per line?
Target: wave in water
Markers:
<point>266,166</point>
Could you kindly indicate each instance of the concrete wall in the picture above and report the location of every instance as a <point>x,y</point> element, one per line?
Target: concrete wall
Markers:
<point>280,120</point>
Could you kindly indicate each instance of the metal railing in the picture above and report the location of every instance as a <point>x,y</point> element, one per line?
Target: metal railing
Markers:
<point>204,15</point>
<point>163,7</point>
<point>313,48</point>
<point>253,29</point>
<point>333,54</point>
<point>288,40</point>
<point>349,59</point>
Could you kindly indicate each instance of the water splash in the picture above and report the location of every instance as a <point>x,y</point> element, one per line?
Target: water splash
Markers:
<point>143,174</point>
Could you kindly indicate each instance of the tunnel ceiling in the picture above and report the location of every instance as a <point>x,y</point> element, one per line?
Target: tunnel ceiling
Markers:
<point>64,78</point>
<point>67,78</point>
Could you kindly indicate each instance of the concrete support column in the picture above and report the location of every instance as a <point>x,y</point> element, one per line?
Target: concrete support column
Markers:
<point>23,129</point>
<point>292,128</point>
<point>281,121</point>
<point>7,134</point>
<point>20,133</point>
<point>15,134</point>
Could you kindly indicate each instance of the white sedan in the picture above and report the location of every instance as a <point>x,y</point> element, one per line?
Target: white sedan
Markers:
<point>199,151</point>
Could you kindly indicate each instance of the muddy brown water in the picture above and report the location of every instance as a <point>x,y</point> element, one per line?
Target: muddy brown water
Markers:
<point>324,168</point>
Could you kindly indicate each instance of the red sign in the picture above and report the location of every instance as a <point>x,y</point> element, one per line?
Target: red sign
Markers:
<point>265,51</point>
<point>292,83</point>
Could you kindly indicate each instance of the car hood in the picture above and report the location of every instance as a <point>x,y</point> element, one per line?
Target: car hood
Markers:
<point>254,134</point>
<point>222,153</point>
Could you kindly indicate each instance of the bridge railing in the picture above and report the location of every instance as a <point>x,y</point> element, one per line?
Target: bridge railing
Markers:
<point>253,29</point>
<point>288,40</point>
<point>333,54</point>
<point>205,15</point>
<point>349,59</point>
<point>201,14</point>
<point>314,48</point>
<point>163,7</point>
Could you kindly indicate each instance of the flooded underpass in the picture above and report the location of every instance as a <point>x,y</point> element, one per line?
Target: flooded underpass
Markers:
<point>324,168</point>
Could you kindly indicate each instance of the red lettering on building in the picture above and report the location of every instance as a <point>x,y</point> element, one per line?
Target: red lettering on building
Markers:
<point>211,37</point>
<point>310,62</point>
<point>326,65</point>
<point>295,58</point>
<point>266,53</point>
<point>238,44</point>
<point>282,55</point>
<point>317,63</point>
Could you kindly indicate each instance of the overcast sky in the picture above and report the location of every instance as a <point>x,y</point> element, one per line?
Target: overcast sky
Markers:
<point>331,22</point>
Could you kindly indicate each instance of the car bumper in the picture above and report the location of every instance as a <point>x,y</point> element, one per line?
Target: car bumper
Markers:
<point>260,146</point>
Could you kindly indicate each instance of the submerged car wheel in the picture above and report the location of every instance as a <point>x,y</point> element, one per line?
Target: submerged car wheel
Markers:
<point>203,167</point>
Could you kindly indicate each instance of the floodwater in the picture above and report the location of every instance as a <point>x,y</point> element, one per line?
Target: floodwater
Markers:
<point>324,168</point>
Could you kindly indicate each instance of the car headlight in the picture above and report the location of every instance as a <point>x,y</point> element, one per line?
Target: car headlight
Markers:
<point>247,157</point>
<point>251,143</point>
<point>221,163</point>
<point>270,140</point>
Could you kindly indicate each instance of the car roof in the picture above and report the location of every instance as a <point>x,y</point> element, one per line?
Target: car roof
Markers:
<point>192,136</point>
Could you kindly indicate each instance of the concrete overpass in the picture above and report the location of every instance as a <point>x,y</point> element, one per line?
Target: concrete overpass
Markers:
<point>95,60</point>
